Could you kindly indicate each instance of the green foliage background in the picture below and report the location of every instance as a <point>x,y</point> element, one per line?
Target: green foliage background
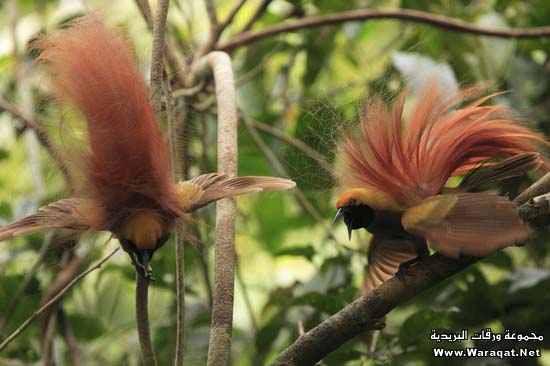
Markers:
<point>309,85</point>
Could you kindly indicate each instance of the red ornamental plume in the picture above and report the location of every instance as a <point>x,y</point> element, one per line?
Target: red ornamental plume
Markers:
<point>92,68</point>
<point>414,161</point>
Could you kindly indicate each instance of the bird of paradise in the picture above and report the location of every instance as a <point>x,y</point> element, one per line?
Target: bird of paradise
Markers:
<point>128,186</point>
<point>393,177</point>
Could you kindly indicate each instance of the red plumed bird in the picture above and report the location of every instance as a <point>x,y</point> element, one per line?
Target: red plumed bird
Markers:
<point>128,187</point>
<point>393,178</point>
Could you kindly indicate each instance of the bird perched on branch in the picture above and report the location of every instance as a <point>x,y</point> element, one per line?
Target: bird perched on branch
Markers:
<point>128,186</point>
<point>393,177</point>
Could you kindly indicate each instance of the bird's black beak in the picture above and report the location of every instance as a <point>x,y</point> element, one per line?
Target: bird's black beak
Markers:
<point>338,215</point>
<point>341,211</point>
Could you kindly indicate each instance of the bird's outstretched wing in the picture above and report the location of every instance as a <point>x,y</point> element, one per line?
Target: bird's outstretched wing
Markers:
<point>206,188</point>
<point>476,224</point>
<point>384,258</point>
<point>69,213</point>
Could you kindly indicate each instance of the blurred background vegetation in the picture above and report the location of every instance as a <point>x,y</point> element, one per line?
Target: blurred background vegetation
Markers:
<point>294,269</point>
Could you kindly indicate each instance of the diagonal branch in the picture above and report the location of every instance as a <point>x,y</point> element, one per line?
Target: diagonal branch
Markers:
<point>441,21</point>
<point>361,314</point>
<point>54,299</point>
<point>217,28</point>
<point>42,136</point>
<point>256,16</point>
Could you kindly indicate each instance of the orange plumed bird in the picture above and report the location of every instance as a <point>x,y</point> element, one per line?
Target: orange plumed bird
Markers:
<point>128,186</point>
<point>393,176</point>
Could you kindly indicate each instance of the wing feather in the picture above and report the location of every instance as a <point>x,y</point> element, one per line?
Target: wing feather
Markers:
<point>67,213</point>
<point>206,188</point>
<point>475,224</point>
<point>384,258</point>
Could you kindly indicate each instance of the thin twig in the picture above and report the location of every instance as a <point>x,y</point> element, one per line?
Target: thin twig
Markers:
<point>363,313</point>
<point>441,21</point>
<point>219,350</point>
<point>298,144</point>
<point>211,10</point>
<point>217,29</point>
<point>53,300</point>
<point>142,319</point>
<point>68,336</point>
<point>178,237</point>
<point>7,316</point>
<point>42,136</point>
<point>175,58</point>
<point>282,172</point>
<point>256,16</point>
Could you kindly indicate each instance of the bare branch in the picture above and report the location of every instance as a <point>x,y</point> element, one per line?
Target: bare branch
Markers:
<point>211,10</point>
<point>42,136</point>
<point>54,299</point>
<point>541,186</point>
<point>217,29</point>
<point>441,21</point>
<point>361,314</point>
<point>157,58</point>
<point>142,320</point>
<point>68,336</point>
<point>219,350</point>
<point>178,237</point>
<point>256,16</point>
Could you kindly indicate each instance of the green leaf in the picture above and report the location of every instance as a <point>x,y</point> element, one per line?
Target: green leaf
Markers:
<point>298,250</point>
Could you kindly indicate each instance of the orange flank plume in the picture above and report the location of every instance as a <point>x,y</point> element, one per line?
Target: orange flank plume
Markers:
<point>92,68</point>
<point>413,161</point>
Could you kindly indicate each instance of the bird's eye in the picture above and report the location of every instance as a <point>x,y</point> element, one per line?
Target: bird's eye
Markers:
<point>352,202</point>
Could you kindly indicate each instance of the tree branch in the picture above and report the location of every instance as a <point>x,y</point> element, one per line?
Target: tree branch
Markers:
<point>441,21</point>
<point>217,28</point>
<point>54,299</point>
<point>142,320</point>
<point>219,350</point>
<point>361,314</point>
<point>42,136</point>
<point>157,57</point>
<point>257,15</point>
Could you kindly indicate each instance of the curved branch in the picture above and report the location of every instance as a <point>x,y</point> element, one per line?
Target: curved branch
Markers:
<point>441,21</point>
<point>219,63</point>
<point>361,314</point>
<point>54,299</point>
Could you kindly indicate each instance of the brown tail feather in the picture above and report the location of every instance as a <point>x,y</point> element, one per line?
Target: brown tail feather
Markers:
<point>508,168</point>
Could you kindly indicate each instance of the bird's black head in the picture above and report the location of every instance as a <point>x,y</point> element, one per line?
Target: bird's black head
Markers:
<point>355,216</point>
<point>142,257</point>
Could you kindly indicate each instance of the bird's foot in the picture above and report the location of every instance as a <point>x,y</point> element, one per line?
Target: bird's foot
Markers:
<point>404,268</point>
